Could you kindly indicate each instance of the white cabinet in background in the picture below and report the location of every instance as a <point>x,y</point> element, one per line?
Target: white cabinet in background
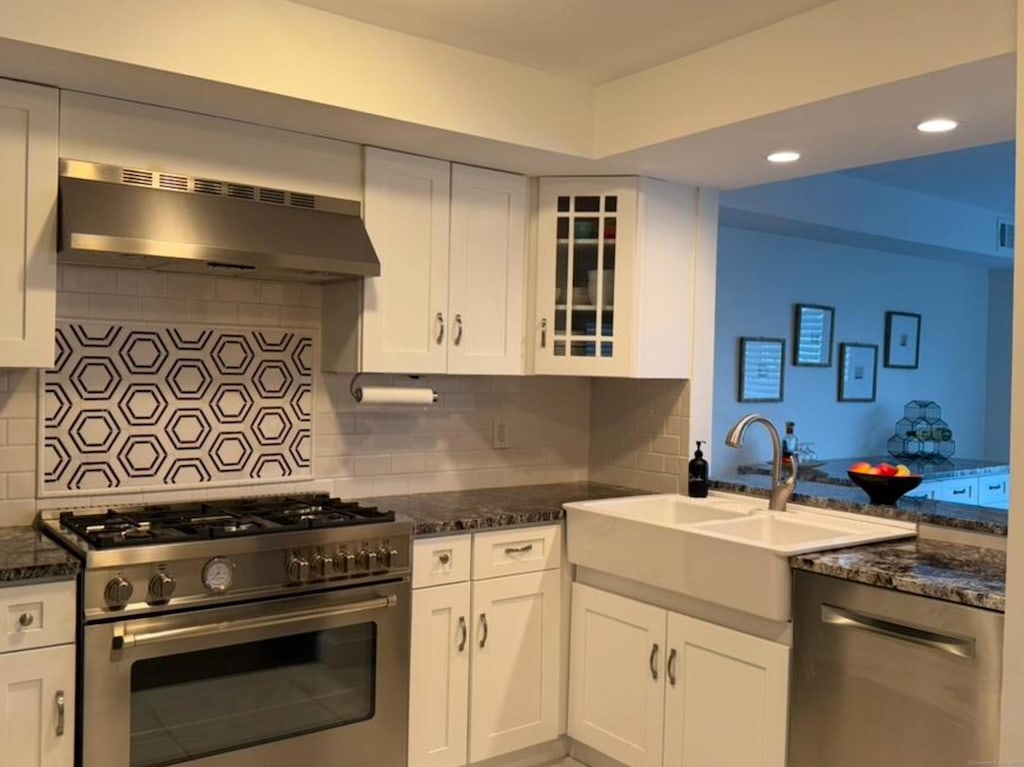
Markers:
<point>994,491</point>
<point>961,490</point>
<point>37,675</point>
<point>653,688</point>
<point>485,656</point>
<point>451,294</point>
<point>28,224</point>
<point>615,277</point>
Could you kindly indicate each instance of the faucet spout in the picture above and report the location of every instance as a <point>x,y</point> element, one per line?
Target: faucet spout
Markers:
<point>782,489</point>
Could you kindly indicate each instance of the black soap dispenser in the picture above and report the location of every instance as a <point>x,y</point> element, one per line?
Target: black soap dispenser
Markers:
<point>698,484</point>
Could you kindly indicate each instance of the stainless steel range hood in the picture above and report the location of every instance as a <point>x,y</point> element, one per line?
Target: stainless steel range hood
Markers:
<point>126,217</point>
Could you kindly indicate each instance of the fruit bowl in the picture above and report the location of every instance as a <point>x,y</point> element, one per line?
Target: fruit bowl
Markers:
<point>882,490</point>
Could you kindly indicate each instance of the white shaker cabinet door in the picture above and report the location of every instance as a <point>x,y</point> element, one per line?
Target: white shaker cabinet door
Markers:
<point>514,688</point>
<point>405,310</point>
<point>28,232</point>
<point>439,678</point>
<point>487,297</point>
<point>37,695</point>
<point>726,697</point>
<point>616,676</point>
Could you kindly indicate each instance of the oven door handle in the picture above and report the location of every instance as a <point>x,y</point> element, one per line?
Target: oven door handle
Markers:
<point>124,639</point>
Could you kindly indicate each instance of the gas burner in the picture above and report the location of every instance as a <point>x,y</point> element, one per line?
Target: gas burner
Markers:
<point>173,523</point>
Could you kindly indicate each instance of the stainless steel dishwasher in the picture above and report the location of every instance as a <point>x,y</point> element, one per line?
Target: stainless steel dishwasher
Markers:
<point>885,678</point>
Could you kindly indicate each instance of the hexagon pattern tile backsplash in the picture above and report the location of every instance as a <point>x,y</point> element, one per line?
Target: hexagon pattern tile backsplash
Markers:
<point>143,407</point>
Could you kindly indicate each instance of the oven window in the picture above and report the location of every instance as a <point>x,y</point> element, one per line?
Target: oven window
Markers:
<point>201,703</point>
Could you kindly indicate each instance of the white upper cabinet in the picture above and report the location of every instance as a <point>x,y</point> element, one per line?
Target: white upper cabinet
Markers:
<point>615,277</point>
<point>487,270</point>
<point>28,224</point>
<point>406,205</point>
<point>451,294</point>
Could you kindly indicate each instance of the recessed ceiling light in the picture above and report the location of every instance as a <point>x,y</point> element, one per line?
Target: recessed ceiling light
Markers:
<point>784,156</point>
<point>938,125</point>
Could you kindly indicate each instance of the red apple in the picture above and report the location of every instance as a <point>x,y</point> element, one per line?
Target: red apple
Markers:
<point>887,470</point>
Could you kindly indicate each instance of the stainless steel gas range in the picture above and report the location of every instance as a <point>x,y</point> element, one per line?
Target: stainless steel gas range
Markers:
<point>263,632</point>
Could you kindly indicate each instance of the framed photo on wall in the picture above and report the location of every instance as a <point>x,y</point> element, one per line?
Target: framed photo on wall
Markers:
<point>858,372</point>
<point>761,369</point>
<point>902,339</point>
<point>812,332</point>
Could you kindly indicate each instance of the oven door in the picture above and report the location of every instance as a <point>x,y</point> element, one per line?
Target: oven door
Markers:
<point>302,680</point>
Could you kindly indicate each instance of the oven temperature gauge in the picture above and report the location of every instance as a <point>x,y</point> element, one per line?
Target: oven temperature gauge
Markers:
<point>218,574</point>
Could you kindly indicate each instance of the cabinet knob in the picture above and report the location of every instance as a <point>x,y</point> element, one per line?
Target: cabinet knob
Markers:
<point>25,620</point>
<point>444,558</point>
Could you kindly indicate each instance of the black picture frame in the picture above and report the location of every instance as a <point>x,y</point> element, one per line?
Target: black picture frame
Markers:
<point>858,372</point>
<point>902,340</point>
<point>813,333</point>
<point>761,369</point>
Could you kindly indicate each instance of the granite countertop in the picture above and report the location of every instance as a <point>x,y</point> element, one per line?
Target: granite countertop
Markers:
<point>826,495</point>
<point>834,471</point>
<point>968,575</point>
<point>460,510</point>
<point>27,555</point>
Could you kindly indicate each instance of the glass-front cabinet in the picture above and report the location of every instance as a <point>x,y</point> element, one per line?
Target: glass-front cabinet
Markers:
<point>585,264</point>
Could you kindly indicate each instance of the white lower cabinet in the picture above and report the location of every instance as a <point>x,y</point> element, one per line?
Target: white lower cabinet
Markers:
<point>484,668</point>
<point>37,682</point>
<point>653,688</point>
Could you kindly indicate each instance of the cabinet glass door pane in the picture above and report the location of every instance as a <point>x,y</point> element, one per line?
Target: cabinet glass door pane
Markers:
<point>584,308</point>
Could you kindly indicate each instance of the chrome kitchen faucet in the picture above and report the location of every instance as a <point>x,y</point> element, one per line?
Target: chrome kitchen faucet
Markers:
<point>782,489</point>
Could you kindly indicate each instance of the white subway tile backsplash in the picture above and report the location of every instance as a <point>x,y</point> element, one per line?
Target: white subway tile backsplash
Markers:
<point>21,431</point>
<point>241,291</point>
<point>372,464</point>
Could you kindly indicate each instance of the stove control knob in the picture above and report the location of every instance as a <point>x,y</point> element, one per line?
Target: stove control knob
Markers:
<point>298,570</point>
<point>344,563</point>
<point>366,560</point>
<point>118,592</point>
<point>161,587</point>
<point>321,566</point>
<point>384,556</point>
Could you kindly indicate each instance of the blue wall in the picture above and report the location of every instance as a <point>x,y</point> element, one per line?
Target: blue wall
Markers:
<point>761,276</point>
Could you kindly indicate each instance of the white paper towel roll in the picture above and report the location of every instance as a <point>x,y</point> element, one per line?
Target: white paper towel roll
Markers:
<point>394,395</point>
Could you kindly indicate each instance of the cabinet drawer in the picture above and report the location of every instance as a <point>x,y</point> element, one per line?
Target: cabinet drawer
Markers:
<point>523,550</point>
<point>960,491</point>
<point>436,561</point>
<point>928,491</point>
<point>994,490</point>
<point>37,616</point>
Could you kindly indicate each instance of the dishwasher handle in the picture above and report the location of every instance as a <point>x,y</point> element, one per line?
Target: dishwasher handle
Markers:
<point>842,618</point>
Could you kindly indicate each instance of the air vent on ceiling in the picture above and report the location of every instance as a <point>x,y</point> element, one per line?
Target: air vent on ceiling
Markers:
<point>136,177</point>
<point>1005,234</point>
<point>172,181</point>
<point>298,200</point>
<point>276,196</point>
<point>206,186</point>
<point>241,192</point>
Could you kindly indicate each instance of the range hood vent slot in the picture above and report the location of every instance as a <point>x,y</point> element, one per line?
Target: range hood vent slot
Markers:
<point>146,219</point>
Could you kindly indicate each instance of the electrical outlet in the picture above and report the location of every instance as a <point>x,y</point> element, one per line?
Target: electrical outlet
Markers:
<point>499,433</point>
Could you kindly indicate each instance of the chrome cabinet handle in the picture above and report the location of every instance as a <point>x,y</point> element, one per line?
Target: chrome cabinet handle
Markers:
<point>25,620</point>
<point>458,329</point>
<point>60,712</point>
<point>444,558</point>
<point>996,487</point>
<point>653,662</point>
<point>837,616</point>
<point>483,627</point>
<point>960,492</point>
<point>543,333</point>
<point>670,667</point>
<point>463,633</point>
<point>519,549</point>
<point>440,328</point>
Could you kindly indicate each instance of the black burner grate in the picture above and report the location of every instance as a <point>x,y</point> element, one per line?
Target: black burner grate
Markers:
<point>178,522</point>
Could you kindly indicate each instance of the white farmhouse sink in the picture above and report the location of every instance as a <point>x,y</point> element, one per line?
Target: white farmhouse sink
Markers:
<point>724,549</point>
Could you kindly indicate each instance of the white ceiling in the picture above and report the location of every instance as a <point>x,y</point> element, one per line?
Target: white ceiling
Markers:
<point>589,40</point>
<point>982,176</point>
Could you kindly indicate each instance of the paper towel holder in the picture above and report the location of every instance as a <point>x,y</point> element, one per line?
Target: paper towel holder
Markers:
<point>357,391</point>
